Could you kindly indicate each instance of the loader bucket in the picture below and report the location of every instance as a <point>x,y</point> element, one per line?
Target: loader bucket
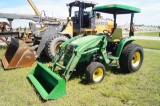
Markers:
<point>48,84</point>
<point>18,54</point>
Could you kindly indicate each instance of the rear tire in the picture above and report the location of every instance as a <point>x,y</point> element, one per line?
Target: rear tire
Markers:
<point>131,58</point>
<point>53,44</point>
<point>95,72</point>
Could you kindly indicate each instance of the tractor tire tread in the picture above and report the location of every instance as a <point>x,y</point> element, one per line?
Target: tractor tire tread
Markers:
<point>124,62</point>
<point>90,69</point>
<point>49,42</point>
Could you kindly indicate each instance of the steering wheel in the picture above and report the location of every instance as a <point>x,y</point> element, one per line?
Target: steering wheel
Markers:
<point>106,32</point>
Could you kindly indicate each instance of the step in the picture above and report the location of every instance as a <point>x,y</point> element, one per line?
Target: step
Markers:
<point>111,57</point>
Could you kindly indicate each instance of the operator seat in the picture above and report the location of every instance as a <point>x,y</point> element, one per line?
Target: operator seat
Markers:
<point>116,35</point>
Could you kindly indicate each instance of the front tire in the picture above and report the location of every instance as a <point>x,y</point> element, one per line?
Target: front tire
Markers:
<point>95,72</point>
<point>53,44</point>
<point>131,58</point>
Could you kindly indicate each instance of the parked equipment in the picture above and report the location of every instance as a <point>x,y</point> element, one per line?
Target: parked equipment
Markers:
<point>22,33</point>
<point>95,50</point>
<point>50,38</point>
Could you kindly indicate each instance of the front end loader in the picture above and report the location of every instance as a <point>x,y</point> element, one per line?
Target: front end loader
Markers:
<point>73,51</point>
<point>18,53</point>
<point>94,52</point>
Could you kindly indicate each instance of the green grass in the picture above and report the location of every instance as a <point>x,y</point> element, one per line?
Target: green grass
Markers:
<point>150,44</point>
<point>152,34</point>
<point>155,34</point>
<point>141,88</point>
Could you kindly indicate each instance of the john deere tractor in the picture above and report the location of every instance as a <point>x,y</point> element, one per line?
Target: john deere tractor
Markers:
<point>93,52</point>
<point>50,38</point>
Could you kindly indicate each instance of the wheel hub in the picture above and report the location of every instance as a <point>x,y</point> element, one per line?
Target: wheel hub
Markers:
<point>57,46</point>
<point>136,59</point>
<point>98,74</point>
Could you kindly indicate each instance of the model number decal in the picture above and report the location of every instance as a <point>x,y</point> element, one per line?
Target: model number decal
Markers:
<point>101,23</point>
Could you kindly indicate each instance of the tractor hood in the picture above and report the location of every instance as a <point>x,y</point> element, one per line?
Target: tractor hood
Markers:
<point>87,39</point>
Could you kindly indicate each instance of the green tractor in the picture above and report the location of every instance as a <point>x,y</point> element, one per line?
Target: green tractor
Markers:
<point>95,51</point>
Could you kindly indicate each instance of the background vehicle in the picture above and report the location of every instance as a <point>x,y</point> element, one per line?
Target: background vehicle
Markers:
<point>93,52</point>
<point>6,29</point>
<point>50,38</point>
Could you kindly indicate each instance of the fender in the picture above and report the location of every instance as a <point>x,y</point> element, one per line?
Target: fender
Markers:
<point>122,43</point>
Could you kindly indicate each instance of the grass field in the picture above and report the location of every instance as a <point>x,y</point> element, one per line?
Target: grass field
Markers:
<point>152,34</point>
<point>156,34</point>
<point>150,44</point>
<point>141,88</point>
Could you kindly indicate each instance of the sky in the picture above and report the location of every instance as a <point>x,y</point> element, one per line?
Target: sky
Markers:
<point>150,10</point>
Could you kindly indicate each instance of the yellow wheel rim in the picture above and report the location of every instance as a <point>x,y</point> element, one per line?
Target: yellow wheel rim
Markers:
<point>98,74</point>
<point>57,46</point>
<point>136,59</point>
